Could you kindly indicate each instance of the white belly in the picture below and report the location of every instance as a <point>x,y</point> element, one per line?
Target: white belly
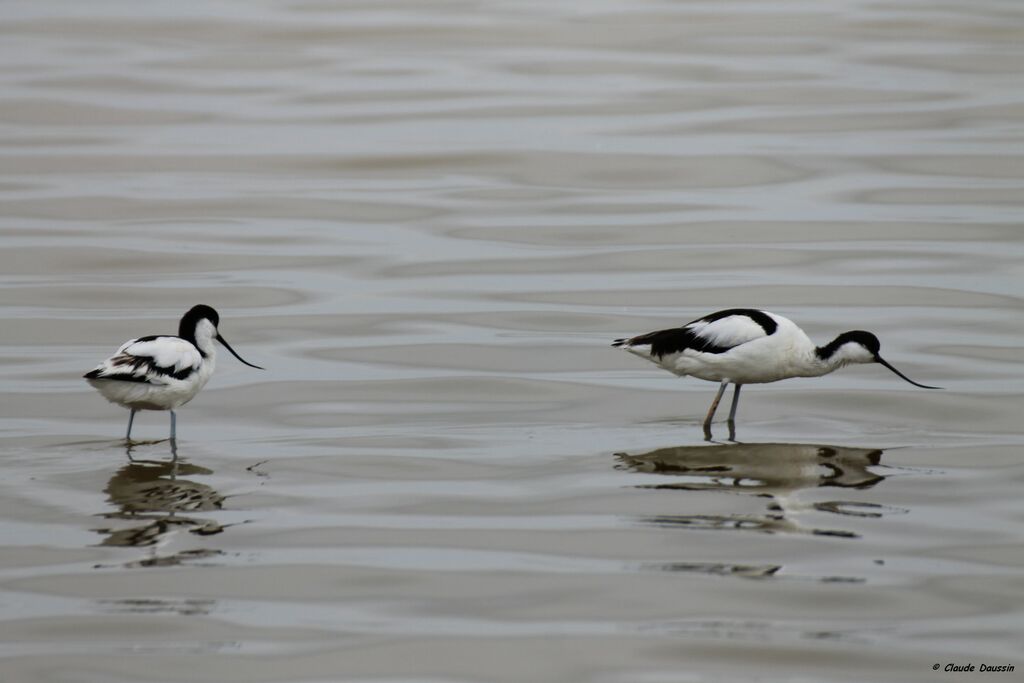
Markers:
<point>757,362</point>
<point>145,396</point>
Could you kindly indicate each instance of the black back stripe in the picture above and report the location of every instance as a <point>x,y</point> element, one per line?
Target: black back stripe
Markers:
<point>138,369</point>
<point>154,337</point>
<point>760,317</point>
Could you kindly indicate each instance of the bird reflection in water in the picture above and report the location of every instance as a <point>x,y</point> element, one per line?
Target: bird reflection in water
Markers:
<point>155,502</point>
<point>777,471</point>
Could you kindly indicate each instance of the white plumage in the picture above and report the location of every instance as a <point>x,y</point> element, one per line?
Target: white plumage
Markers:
<point>729,331</point>
<point>169,352</point>
<point>156,374</point>
<point>162,372</point>
<point>747,346</point>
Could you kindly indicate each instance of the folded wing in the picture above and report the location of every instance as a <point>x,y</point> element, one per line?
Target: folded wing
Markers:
<point>150,360</point>
<point>715,333</point>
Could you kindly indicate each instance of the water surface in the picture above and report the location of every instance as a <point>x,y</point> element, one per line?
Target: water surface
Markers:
<point>428,220</point>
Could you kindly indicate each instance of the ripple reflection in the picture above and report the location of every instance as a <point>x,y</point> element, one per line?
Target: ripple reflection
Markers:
<point>777,471</point>
<point>154,493</point>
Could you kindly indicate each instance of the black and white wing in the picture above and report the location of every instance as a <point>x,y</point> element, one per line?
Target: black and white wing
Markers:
<point>150,360</point>
<point>715,333</point>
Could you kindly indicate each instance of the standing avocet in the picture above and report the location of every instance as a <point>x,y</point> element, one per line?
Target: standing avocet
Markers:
<point>162,372</point>
<point>746,346</point>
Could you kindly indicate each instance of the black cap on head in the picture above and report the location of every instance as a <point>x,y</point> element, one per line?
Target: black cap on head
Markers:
<point>187,326</point>
<point>201,311</point>
<point>865,339</point>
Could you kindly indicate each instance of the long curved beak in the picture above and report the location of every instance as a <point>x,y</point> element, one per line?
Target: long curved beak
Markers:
<point>878,359</point>
<point>228,347</point>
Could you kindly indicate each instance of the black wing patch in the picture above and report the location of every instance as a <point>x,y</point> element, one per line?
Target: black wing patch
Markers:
<point>664,342</point>
<point>678,339</point>
<point>121,377</point>
<point>130,368</point>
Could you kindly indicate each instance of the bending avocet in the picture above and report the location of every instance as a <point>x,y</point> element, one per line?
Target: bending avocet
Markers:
<point>162,372</point>
<point>746,346</point>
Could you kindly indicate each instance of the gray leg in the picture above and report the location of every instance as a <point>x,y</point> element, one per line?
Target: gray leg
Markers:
<point>131,418</point>
<point>735,402</point>
<point>174,430</point>
<point>714,404</point>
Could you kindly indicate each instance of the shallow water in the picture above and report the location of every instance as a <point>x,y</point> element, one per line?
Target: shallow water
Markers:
<point>428,220</point>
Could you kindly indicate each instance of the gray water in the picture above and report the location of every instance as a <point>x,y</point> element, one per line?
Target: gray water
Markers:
<point>428,220</point>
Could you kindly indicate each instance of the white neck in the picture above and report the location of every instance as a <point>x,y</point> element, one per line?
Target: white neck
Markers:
<point>205,334</point>
<point>808,364</point>
<point>847,354</point>
<point>802,357</point>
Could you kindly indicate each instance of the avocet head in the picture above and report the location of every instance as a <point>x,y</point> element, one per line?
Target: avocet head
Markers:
<point>200,323</point>
<point>858,346</point>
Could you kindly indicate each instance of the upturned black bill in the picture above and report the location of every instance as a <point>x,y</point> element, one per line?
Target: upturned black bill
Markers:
<point>228,347</point>
<point>879,360</point>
